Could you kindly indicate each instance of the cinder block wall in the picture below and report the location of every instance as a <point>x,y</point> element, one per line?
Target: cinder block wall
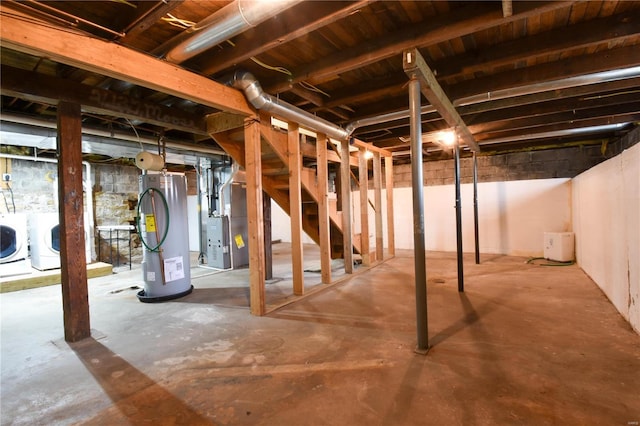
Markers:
<point>546,164</point>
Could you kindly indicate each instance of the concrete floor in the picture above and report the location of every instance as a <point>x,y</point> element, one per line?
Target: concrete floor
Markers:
<point>524,344</point>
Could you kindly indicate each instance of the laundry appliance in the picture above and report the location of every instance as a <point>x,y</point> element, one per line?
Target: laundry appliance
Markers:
<point>14,245</point>
<point>44,235</point>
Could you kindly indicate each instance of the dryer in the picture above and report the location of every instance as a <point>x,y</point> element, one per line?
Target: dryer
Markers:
<point>44,233</point>
<point>14,245</point>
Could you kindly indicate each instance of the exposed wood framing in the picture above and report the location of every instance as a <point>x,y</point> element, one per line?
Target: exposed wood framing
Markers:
<point>345,194</point>
<point>75,296</point>
<point>295,199</point>
<point>415,65</point>
<point>457,23</point>
<point>364,207</point>
<point>255,218</point>
<point>323,207</point>
<point>96,55</point>
<point>388,184</point>
<point>377,192</point>
<point>37,87</point>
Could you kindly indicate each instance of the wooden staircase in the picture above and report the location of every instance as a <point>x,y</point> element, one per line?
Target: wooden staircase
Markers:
<point>275,179</point>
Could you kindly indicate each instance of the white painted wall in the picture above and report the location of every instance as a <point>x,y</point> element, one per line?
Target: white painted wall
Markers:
<point>513,216</point>
<point>281,226</point>
<point>606,218</point>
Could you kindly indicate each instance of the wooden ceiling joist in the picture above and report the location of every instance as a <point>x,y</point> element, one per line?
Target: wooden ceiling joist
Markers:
<point>112,60</point>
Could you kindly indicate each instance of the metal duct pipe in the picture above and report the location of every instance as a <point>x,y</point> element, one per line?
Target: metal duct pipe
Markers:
<point>260,100</point>
<point>224,24</point>
<point>583,80</point>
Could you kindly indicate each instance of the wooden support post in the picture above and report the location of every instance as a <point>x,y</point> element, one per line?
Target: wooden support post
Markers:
<point>388,184</point>
<point>295,197</point>
<point>323,207</point>
<point>363,177</point>
<point>73,271</point>
<point>255,219</point>
<point>345,194</point>
<point>268,251</point>
<point>377,189</point>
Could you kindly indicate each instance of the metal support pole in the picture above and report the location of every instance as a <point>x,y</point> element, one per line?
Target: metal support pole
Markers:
<point>418,217</point>
<point>456,155</point>
<point>475,207</point>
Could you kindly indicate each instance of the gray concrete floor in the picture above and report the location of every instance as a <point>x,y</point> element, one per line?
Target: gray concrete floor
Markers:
<point>524,344</point>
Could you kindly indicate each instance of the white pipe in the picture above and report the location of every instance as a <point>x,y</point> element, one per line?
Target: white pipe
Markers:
<point>223,209</point>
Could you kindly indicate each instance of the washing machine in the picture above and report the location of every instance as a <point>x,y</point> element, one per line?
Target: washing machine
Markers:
<point>14,245</point>
<point>44,236</point>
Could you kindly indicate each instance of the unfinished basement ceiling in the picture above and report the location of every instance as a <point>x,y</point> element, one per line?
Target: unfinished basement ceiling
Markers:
<point>548,74</point>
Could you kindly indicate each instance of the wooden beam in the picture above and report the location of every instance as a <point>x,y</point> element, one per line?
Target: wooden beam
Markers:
<point>605,60</point>
<point>585,35</point>
<point>75,296</point>
<point>116,61</point>
<point>147,19</point>
<point>364,208</point>
<point>37,87</point>
<point>345,194</point>
<point>295,197</point>
<point>323,207</point>
<point>371,147</point>
<point>377,190</point>
<point>388,184</point>
<point>255,218</point>
<point>415,67</point>
<point>459,22</point>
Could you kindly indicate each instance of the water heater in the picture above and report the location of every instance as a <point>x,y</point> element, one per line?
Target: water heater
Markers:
<point>164,232</point>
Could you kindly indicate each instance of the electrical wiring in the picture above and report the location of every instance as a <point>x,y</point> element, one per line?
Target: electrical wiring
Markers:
<point>136,132</point>
<point>177,22</point>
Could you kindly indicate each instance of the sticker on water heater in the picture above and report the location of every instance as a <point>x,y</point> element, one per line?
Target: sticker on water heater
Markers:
<point>150,223</point>
<point>173,269</point>
<point>239,241</point>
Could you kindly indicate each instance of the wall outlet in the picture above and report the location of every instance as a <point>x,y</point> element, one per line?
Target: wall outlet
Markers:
<point>6,177</point>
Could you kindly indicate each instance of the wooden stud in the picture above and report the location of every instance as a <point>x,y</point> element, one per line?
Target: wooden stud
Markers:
<point>377,189</point>
<point>295,197</point>
<point>323,208</point>
<point>388,184</point>
<point>255,218</point>
<point>75,296</point>
<point>364,207</point>
<point>345,194</point>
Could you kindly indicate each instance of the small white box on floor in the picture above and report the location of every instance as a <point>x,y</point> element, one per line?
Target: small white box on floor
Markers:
<point>559,246</point>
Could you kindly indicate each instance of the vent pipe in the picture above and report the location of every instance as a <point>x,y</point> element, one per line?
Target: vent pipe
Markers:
<point>582,80</point>
<point>260,100</point>
<point>226,23</point>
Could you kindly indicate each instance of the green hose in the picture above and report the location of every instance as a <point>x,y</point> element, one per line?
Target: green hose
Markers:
<point>549,264</point>
<point>166,229</point>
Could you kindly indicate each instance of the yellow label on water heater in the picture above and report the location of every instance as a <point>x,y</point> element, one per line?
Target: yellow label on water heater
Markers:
<point>150,223</point>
